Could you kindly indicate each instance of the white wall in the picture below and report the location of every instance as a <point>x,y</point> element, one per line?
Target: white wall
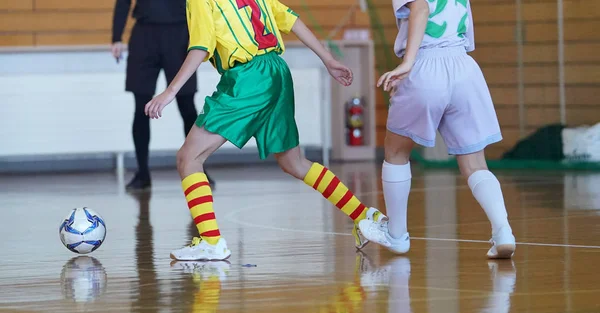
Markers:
<point>63,102</point>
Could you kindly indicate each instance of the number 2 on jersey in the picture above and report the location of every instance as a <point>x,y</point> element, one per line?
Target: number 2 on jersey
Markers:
<point>264,41</point>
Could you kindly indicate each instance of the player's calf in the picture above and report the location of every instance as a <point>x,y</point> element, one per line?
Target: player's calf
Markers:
<point>198,146</point>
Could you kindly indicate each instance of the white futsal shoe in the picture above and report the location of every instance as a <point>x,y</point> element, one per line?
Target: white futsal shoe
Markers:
<point>201,250</point>
<point>372,215</point>
<point>503,244</point>
<point>379,233</point>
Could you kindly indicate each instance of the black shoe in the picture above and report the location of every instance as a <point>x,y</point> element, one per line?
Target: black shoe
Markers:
<point>211,182</point>
<point>139,183</point>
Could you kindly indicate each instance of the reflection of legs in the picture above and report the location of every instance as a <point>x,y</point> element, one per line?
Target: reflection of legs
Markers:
<point>399,299</point>
<point>144,251</point>
<point>327,184</point>
<point>487,191</point>
<point>198,146</point>
<point>207,277</point>
<point>351,297</point>
<point>504,277</point>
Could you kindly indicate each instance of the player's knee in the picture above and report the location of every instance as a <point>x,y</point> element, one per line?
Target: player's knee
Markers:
<point>297,167</point>
<point>181,160</point>
<point>288,166</point>
<point>397,148</point>
<point>185,158</point>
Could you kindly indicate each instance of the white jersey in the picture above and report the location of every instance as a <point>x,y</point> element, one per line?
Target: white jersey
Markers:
<point>450,24</point>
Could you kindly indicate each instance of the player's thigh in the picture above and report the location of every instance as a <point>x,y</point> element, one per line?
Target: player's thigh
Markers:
<point>199,145</point>
<point>470,122</point>
<point>419,102</point>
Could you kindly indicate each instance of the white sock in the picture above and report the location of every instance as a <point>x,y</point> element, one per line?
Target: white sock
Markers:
<point>396,186</point>
<point>486,189</point>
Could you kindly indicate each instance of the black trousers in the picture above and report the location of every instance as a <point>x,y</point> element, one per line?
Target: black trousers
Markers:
<point>153,47</point>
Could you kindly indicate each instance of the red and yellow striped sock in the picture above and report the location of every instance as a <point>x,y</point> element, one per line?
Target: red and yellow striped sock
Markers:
<point>325,182</point>
<point>200,201</point>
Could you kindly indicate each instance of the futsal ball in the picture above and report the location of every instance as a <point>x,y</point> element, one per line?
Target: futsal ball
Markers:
<point>82,231</point>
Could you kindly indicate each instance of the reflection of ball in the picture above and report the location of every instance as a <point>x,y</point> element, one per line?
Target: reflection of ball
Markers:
<point>83,279</point>
<point>82,231</point>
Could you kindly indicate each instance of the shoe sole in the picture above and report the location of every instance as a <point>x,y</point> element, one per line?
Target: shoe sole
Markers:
<point>504,252</point>
<point>205,260</point>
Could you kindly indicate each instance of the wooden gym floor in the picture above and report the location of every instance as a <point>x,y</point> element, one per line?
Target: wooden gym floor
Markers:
<point>292,251</point>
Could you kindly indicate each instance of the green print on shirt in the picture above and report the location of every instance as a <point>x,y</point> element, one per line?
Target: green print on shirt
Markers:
<point>462,26</point>
<point>435,30</point>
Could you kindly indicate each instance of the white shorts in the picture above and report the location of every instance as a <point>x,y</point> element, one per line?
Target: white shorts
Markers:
<point>445,90</point>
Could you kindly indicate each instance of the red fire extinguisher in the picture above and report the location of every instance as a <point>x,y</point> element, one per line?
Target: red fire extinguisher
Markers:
<point>355,116</point>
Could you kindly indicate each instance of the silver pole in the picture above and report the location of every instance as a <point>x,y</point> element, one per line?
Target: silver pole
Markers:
<point>561,63</point>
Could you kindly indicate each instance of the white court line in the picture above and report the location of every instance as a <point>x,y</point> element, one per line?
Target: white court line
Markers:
<point>230,217</point>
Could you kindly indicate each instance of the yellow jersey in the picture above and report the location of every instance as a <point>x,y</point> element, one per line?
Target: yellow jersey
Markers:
<point>235,31</point>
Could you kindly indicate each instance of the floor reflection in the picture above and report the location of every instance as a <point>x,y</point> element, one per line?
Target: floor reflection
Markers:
<point>83,279</point>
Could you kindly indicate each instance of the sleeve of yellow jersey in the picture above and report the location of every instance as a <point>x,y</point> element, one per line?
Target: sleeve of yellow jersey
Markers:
<point>201,26</point>
<point>284,16</point>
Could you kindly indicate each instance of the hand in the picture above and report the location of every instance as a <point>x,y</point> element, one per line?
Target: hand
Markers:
<point>391,78</point>
<point>116,49</point>
<point>154,108</point>
<point>339,71</point>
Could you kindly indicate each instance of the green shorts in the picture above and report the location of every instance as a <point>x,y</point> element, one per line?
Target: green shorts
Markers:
<point>254,99</point>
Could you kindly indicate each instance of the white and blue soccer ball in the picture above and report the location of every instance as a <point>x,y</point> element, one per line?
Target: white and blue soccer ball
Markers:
<point>82,231</point>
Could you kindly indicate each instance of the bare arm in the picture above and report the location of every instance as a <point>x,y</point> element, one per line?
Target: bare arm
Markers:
<point>417,22</point>
<point>190,65</point>
<point>336,69</point>
<point>188,68</point>
<point>309,39</point>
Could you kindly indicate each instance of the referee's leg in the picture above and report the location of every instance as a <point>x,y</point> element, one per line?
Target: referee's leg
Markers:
<point>143,67</point>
